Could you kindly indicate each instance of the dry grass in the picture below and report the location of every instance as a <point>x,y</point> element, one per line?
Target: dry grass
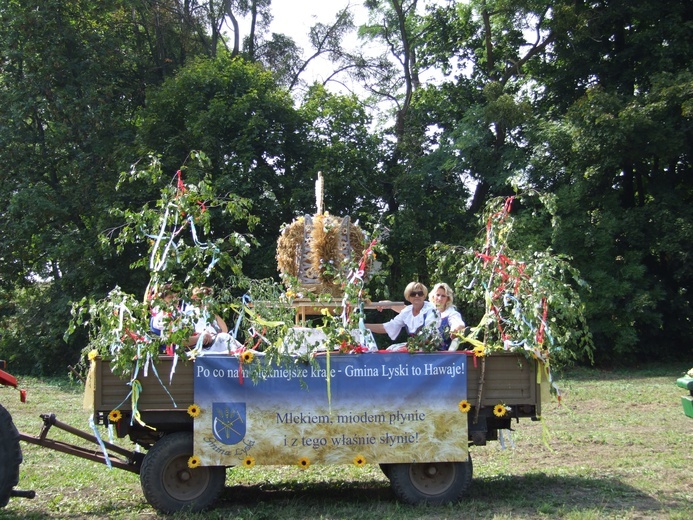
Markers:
<point>620,447</point>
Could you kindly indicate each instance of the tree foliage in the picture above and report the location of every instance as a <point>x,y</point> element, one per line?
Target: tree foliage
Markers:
<point>457,103</point>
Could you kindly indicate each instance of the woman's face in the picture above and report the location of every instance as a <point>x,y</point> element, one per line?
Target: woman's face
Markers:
<point>440,298</point>
<point>417,297</point>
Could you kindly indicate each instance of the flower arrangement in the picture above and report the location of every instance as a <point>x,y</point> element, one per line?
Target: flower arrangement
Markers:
<point>428,339</point>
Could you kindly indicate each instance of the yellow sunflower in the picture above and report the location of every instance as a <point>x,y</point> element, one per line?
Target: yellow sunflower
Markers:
<point>249,462</point>
<point>93,354</point>
<point>194,462</point>
<point>479,351</point>
<point>304,463</point>
<point>499,410</point>
<point>115,416</point>
<point>360,461</point>
<point>194,410</point>
<point>464,406</point>
<point>247,356</point>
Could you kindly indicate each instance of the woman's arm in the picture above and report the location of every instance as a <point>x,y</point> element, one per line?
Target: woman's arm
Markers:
<point>378,328</point>
<point>221,323</point>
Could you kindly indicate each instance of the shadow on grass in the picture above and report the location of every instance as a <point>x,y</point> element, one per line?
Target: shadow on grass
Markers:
<point>11,515</point>
<point>538,492</point>
<point>672,370</point>
<point>523,496</point>
<point>346,491</point>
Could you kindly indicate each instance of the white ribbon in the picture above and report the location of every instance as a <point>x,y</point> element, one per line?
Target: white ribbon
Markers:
<point>98,438</point>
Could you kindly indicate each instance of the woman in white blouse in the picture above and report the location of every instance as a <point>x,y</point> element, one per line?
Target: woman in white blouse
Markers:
<point>413,317</point>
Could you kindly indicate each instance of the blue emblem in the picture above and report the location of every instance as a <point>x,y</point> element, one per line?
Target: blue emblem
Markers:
<point>228,424</point>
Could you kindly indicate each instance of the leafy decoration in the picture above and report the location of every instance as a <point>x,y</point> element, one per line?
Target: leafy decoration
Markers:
<point>530,299</point>
<point>182,254</point>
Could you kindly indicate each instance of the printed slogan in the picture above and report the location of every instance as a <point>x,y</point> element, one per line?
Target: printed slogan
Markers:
<point>374,408</point>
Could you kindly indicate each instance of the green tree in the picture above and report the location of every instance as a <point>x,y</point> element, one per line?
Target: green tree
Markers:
<point>514,294</point>
<point>72,76</point>
<point>245,123</point>
<point>68,91</point>
<point>483,104</point>
<point>342,145</point>
<point>417,184</point>
<point>181,253</point>
<point>615,146</point>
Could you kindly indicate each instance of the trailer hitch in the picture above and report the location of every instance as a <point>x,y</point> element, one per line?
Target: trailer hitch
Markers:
<point>128,460</point>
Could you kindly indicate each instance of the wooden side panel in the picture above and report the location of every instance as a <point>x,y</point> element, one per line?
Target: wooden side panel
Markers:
<point>508,378</point>
<point>110,391</point>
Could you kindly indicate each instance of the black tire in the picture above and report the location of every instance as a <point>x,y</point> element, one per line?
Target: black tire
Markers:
<point>169,485</point>
<point>10,456</point>
<point>431,482</point>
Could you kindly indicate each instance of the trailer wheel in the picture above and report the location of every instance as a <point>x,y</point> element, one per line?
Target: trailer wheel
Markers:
<point>430,482</point>
<point>10,456</point>
<point>169,485</point>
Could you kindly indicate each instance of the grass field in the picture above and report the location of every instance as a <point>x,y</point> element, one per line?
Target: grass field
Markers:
<point>618,447</point>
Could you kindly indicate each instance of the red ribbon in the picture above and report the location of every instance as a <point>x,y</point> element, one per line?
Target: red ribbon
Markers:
<point>179,184</point>
<point>540,332</point>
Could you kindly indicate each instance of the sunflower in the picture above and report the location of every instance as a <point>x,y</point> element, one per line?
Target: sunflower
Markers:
<point>479,351</point>
<point>194,462</point>
<point>304,463</point>
<point>115,416</point>
<point>360,461</point>
<point>464,406</point>
<point>248,462</point>
<point>93,354</point>
<point>247,356</point>
<point>194,410</point>
<point>499,410</point>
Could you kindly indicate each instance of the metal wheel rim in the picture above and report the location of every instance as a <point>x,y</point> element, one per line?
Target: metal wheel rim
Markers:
<point>184,483</point>
<point>432,478</point>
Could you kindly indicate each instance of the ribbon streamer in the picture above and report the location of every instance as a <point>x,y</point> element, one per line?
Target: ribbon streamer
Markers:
<point>245,301</point>
<point>136,391</point>
<point>98,439</point>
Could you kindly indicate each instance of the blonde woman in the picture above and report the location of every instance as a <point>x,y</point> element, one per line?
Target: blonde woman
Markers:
<point>412,317</point>
<point>450,319</point>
